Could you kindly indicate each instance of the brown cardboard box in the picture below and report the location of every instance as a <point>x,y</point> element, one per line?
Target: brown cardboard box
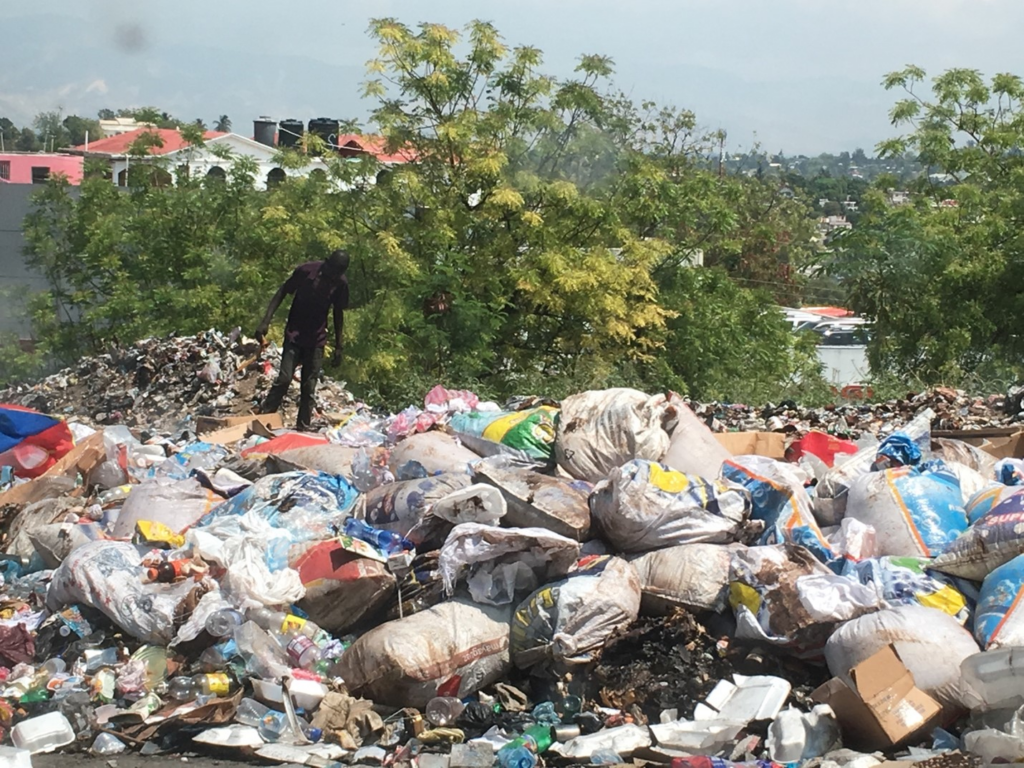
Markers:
<point>770,444</point>
<point>1001,442</point>
<point>885,709</point>
<point>206,424</point>
<point>236,432</point>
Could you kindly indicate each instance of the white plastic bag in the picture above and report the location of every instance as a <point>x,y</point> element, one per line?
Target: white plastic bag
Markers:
<point>601,430</point>
<point>437,452</point>
<point>644,506</point>
<point>694,449</point>
<point>177,504</point>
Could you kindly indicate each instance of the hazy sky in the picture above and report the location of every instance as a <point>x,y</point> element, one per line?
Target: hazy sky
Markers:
<point>797,75</point>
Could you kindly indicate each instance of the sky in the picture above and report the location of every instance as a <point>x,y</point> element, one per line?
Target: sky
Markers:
<point>800,76</point>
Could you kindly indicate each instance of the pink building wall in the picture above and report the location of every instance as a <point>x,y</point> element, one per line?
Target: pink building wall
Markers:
<point>21,165</point>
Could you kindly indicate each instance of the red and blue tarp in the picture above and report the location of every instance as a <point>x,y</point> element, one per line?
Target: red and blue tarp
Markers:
<point>30,441</point>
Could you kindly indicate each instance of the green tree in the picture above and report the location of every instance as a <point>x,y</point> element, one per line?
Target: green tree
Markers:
<point>27,141</point>
<point>940,277</point>
<point>81,128</point>
<point>223,124</point>
<point>50,130</point>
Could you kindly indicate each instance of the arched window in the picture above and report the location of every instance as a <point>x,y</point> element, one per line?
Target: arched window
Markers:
<point>216,173</point>
<point>275,177</point>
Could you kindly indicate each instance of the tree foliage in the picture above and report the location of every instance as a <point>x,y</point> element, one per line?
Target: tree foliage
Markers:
<point>540,239</point>
<point>941,277</point>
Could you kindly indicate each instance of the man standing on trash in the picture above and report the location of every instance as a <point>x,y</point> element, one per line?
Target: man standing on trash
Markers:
<point>316,286</point>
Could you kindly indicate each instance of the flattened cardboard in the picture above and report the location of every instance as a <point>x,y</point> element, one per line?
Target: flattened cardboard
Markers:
<point>770,444</point>
<point>80,459</point>
<point>1000,442</point>
<point>236,432</point>
<point>206,424</point>
<point>886,709</point>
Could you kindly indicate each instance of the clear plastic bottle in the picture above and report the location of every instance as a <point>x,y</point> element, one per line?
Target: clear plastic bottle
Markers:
<point>285,624</point>
<point>216,657</point>
<point>303,652</point>
<point>442,711</point>
<point>517,757</point>
<point>211,684</point>
<point>251,712</point>
<point>274,727</point>
<point>223,623</point>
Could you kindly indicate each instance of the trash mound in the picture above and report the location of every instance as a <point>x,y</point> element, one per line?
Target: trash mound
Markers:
<point>159,383</point>
<point>467,584</point>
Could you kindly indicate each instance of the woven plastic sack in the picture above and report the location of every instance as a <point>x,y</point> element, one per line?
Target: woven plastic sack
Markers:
<point>108,576</point>
<point>996,538</point>
<point>644,505</point>
<point>983,502</point>
<point>437,452</point>
<point>425,510</point>
<point>530,432</point>
<point>931,644</point>
<point>457,644</point>
<point>779,500</point>
<point>690,576</point>
<point>599,431</point>
<point>915,512</point>
<point>999,622</point>
<point>566,623</point>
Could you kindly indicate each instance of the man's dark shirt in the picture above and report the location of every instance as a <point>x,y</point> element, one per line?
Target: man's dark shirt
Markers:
<point>307,319</point>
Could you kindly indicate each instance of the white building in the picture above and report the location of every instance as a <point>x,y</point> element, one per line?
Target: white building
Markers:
<point>115,126</point>
<point>175,153</point>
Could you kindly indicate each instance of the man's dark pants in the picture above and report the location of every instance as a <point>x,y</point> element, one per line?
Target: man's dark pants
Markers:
<point>311,359</point>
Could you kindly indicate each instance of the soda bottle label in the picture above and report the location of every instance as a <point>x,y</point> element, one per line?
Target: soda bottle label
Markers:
<point>220,684</point>
<point>291,624</point>
<point>298,646</point>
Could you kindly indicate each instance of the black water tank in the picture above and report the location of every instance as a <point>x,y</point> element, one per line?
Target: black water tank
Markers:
<point>264,130</point>
<point>326,129</point>
<point>289,133</point>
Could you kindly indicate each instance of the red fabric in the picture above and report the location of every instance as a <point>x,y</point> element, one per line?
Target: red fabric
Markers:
<point>822,445</point>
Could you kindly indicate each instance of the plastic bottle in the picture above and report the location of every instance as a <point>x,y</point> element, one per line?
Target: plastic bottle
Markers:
<point>388,542</point>
<point>223,623</point>
<point>251,712</point>
<point>536,738</point>
<point>303,652</point>
<point>285,624</point>
<point>442,711</point>
<point>168,571</point>
<point>517,757</point>
<point>605,757</point>
<point>108,744</point>
<point>216,657</point>
<point>211,684</point>
<point>274,727</point>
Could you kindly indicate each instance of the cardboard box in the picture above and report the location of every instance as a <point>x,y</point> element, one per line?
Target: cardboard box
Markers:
<point>206,424</point>
<point>1000,442</point>
<point>885,708</point>
<point>236,432</point>
<point>770,444</point>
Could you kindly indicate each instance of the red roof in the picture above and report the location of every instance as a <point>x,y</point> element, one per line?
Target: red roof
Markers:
<point>119,145</point>
<point>374,145</point>
<point>828,311</point>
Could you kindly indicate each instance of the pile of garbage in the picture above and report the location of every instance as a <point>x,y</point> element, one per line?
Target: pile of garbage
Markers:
<point>163,384</point>
<point>466,584</point>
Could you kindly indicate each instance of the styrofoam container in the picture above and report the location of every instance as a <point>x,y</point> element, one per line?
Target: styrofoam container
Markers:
<point>268,692</point>
<point>745,700</point>
<point>307,694</point>
<point>43,734</point>
<point>12,757</point>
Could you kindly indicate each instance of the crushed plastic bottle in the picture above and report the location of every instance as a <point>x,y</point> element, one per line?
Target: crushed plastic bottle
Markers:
<point>224,622</point>
<point>442,711</point>
<point>107,744</point>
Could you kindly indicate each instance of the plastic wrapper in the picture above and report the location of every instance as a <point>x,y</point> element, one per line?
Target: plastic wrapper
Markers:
<point>904,581</point>
<point>601,430</point>
<point>178,504</point>
<point>644,505</point>
<point>568,622</point>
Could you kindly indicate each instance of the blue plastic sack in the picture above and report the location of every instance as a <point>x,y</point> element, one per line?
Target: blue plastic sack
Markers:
<point>898,449</point>
<point>999,621</point>
<point>778,498</point>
